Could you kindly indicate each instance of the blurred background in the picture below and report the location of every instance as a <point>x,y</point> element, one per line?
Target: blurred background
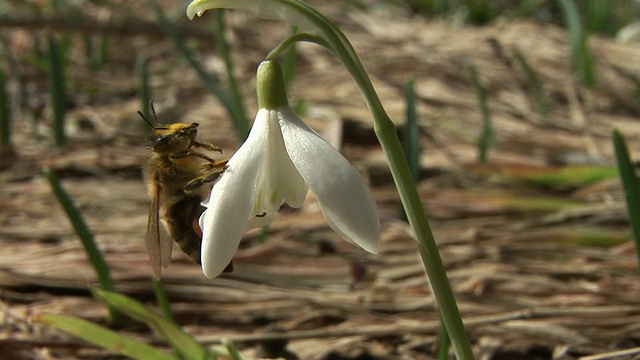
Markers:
<point>505,109</point>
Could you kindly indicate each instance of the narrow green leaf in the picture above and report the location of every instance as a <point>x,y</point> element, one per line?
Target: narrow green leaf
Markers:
<point>57,88</point>
<point>223,49</point>
<point>102,55</point>
<point>536,87</point>
<point>582,61</point>
<point>630,183</point>
<point>486,139</point>
<point>85,235</point>
<point>188,347</point>
<point>96,50</point>
<point>637,94</point>
<point>163,300</point>
<point>5,118</point>
<point>102,337</point>
<point>144,89</point>
<point>559,178</point>
<point>234,353</point>
<point>526,8</point>
<point>411,138</point>
<point>434,7</point>
<point>15,69</point>
<point>479,12</point>
<point>600,16</point>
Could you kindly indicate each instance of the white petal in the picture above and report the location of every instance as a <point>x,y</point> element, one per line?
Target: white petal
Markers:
<point>344,197</point>
<point>279,180</point>
<point>231,202</point>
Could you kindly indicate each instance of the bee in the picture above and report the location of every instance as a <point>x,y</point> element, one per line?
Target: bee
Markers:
<point>175,174</point>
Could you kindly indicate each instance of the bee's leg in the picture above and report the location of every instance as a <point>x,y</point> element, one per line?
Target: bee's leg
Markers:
<point>207,146</point>
<point>180,154</point>
<point>187,153</point>
<point>211,176</point>
<point>214,165</point>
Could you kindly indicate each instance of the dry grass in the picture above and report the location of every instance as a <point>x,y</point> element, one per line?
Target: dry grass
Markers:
<point>522,259</point>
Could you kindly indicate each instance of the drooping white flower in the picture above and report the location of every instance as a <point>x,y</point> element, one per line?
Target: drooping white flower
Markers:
<point>280,160</point>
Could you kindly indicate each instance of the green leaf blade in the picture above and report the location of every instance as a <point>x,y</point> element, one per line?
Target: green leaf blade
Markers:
<point>188,347</point>
<point>102,337</point>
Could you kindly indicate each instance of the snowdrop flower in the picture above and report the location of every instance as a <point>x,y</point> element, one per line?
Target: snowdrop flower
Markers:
<point>280,160</point>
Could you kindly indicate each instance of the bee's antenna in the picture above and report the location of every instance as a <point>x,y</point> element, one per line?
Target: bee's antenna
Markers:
<point>153,111</point>
<point>145,119</point>
<point>155,118</point>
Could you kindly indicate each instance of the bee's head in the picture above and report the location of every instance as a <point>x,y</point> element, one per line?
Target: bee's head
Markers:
<point>169,138</point>
<point>173,137</point>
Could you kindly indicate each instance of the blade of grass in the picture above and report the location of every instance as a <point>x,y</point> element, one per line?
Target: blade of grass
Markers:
<point>234,353</point>
<point>637,94</point>
<point>600,16</point>
<point>57,88</point>
<point>240,122</point>
<point>85,235</point>
<point>486,139</point>
<point>480,12</point>
<point>15,69</point>
<point>411,135</point>
<point>223,49</point>
<point>103,51</point>
<point>536,87</point>
<point>161,298</point>
<point>188,347</point>
<point>630,184</point>
<point>526,8</point>
<point>144,89</point>
<point>582,62</point>
<point>432,7</point>
<point>165,305</point>
<point>559,178</point>
<point>102,337</point>
<point>5,116</point>
<point>96,53</point>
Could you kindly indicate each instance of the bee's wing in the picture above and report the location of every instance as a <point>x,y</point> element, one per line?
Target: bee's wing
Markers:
<point>159,242</point>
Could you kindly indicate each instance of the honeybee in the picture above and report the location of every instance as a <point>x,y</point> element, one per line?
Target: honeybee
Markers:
<point>175,174</point>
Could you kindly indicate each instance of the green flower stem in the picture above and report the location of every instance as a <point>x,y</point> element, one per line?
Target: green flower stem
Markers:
<point>289,59</point>
<point>386,132</point>
<point>303,15</point>
<point>293,39</point>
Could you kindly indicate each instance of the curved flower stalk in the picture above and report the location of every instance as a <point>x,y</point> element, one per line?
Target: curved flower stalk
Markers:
<point>297,12</point>
<point>280,160</point>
